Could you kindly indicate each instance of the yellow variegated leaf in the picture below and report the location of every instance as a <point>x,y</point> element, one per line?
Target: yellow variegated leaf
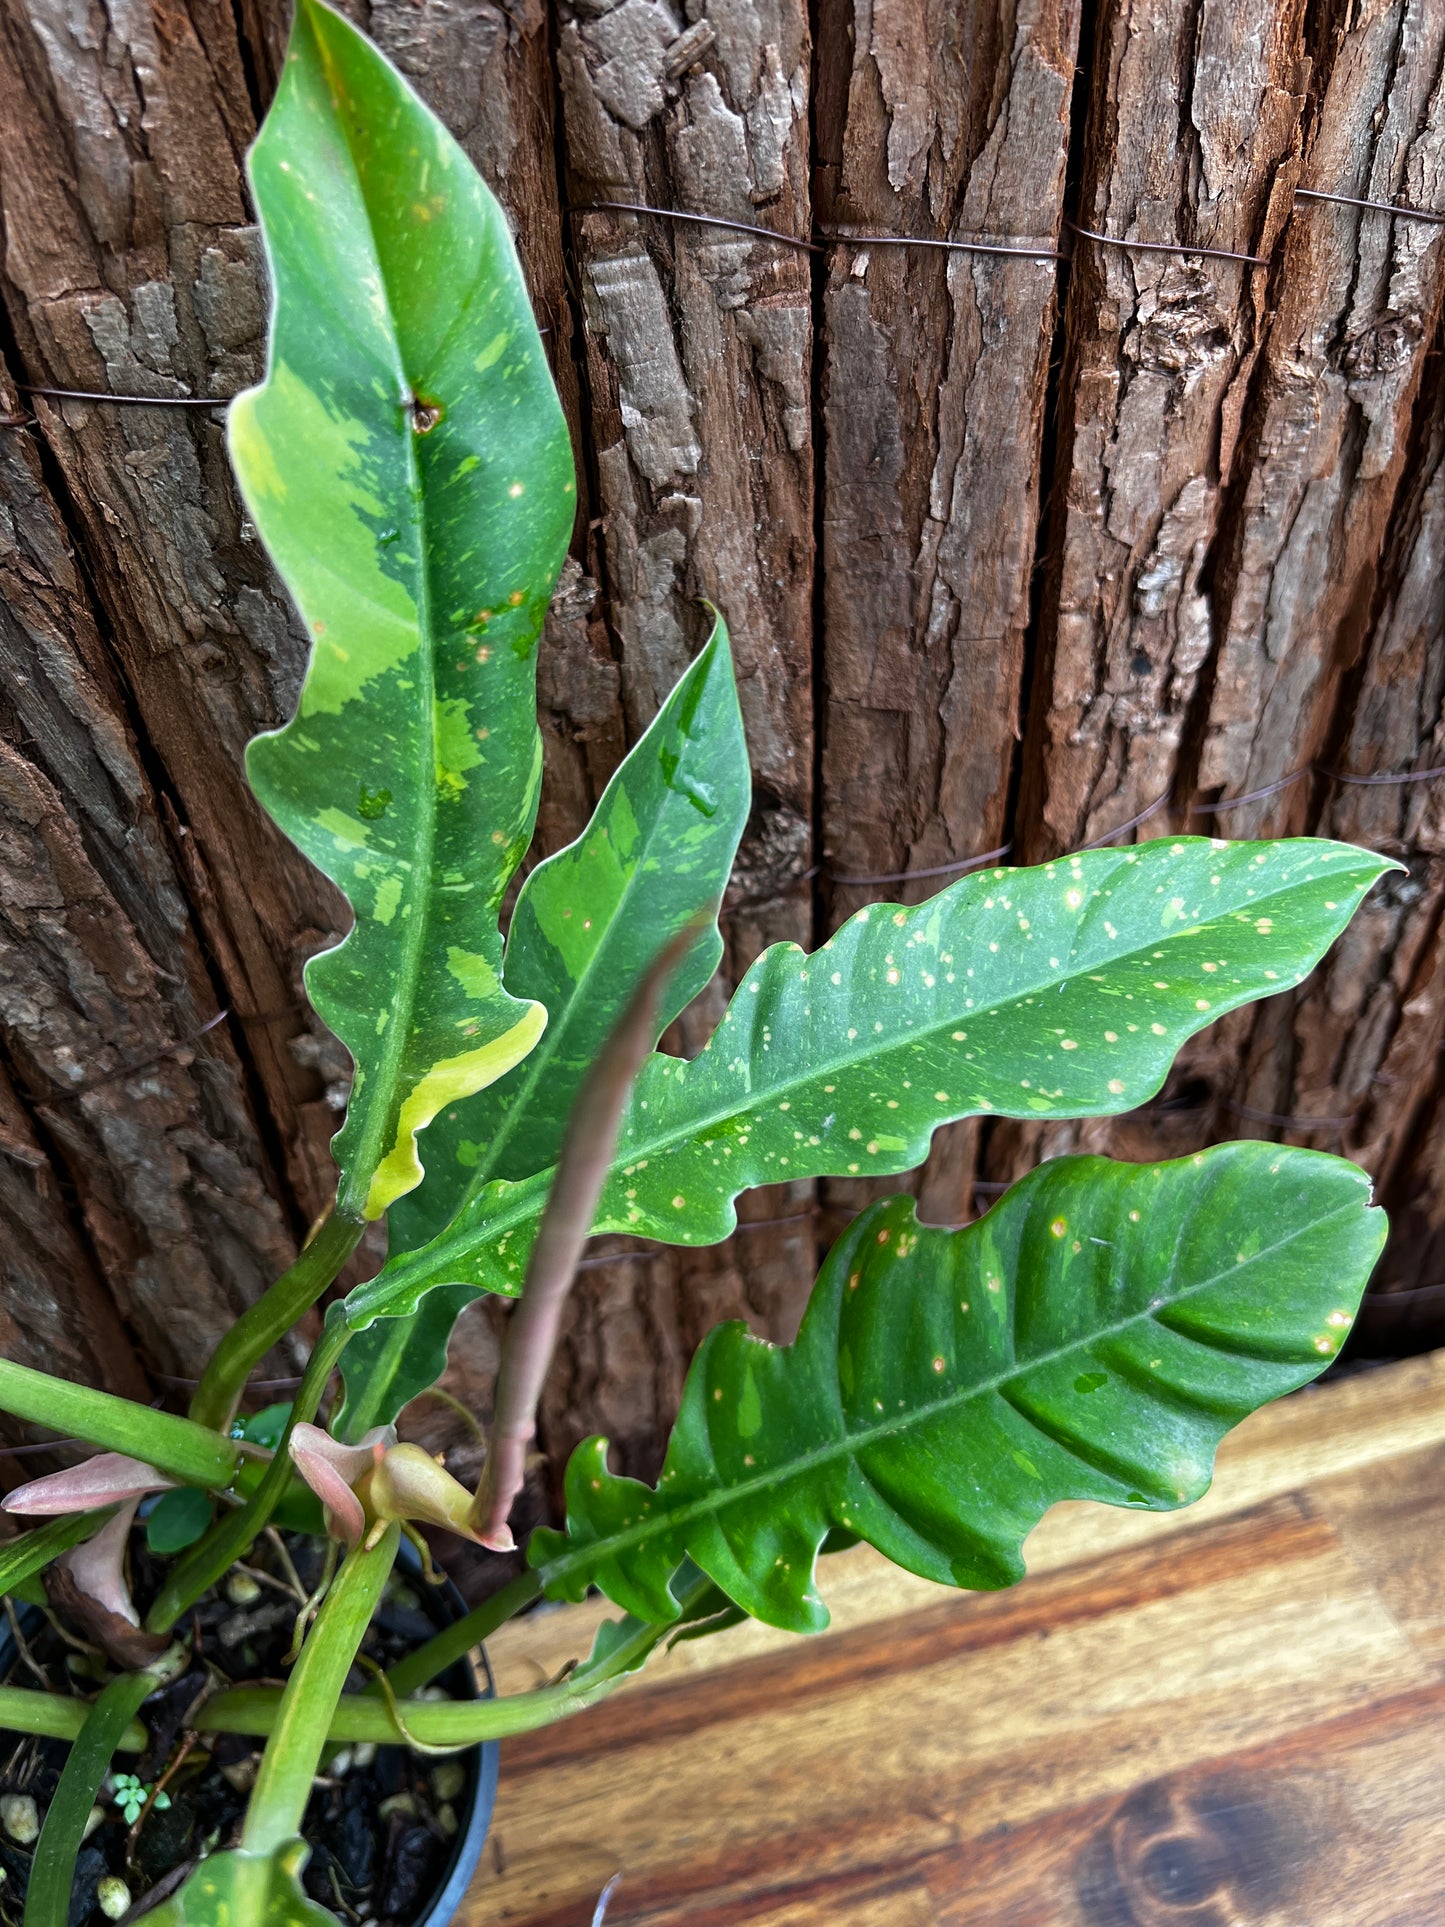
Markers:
<point>407,465</point>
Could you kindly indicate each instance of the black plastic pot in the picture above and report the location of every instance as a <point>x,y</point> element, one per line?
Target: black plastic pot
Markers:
<point>443,1605</point>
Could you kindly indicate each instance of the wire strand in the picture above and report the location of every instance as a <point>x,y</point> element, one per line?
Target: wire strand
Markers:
<point>1164,247</point>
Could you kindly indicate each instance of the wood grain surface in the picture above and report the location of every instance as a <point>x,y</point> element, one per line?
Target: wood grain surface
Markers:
<point>1232,1716</point>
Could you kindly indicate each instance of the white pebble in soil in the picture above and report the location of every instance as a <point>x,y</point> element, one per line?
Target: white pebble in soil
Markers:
<point>20,1818</point>
<point>113,1897</point>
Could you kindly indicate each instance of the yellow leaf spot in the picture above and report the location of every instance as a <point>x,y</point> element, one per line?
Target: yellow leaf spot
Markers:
<point>938,1364</point>
<point>1059,1227</point>
<point>1116,1086</point>
<point>678,1202</point>
<point>1067,1043</point>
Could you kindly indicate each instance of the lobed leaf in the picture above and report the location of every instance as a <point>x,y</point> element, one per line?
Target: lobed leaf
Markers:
<point>1093,1337</point>
<point>1059,991</point>
<point>588,923</point>
<point>407,465</point>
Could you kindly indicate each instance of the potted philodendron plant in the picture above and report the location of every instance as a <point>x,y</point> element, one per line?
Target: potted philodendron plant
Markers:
<point>1093,1336</point>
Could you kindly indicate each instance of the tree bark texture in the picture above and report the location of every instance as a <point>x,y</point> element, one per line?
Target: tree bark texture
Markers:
<point>1014,549</point>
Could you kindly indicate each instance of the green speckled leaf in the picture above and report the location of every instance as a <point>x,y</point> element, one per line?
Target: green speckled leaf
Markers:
<point>587,924</point>
<point>1093,1337</point>
<point>1060,991</point>
<point>240,1889</point>
<point>407,465</point>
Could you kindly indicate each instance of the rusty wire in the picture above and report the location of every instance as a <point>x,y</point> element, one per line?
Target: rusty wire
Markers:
<point>827,235</point>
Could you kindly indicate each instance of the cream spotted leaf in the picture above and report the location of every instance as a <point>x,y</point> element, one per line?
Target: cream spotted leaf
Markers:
<point>1059,991</point>
<point>407,466</point>
<point>1093,1337</point>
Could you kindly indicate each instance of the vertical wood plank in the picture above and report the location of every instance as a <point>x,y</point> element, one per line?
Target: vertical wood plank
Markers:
<point>946,123</point>
<point>1192,131</point>
<point>1358,302</point>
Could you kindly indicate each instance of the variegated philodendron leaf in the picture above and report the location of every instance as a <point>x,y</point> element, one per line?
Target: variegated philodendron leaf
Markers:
<point>1093,1337</point>
<point>588,923</point>
<point>1060,991</point>
<point>407,465</point>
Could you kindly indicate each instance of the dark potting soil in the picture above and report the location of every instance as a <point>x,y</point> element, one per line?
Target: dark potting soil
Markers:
<point>380,1822</point>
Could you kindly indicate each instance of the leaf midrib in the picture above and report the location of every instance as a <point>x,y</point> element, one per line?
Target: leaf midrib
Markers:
<point>522,1208</point>
<point>666,1522</point>
<point>384,1106</point>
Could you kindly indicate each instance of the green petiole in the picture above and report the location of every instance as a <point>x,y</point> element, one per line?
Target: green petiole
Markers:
<point>228,1540</point>
<point>188,1452</point>
<point>106,1726</point>
<point>299,1731</point>
<point>53,1717</point>
<point>270,1318</point>
<point>31,1551</point>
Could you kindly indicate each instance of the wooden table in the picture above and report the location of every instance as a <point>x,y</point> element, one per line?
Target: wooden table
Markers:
<point>1226,1716</point>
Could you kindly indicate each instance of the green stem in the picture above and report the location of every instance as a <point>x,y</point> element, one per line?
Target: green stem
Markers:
<point>418,1669</point>
<point>187,1452</point>
<point>293,1751</point>
<point>47,1902</point>
<point>253,1709</point>
<point>270,1318</point>
<point>32,1550</point>
<point>366,1716</point>
<point>231,1536</point>
<point>457,1723</point>
<point>55,1717</point>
